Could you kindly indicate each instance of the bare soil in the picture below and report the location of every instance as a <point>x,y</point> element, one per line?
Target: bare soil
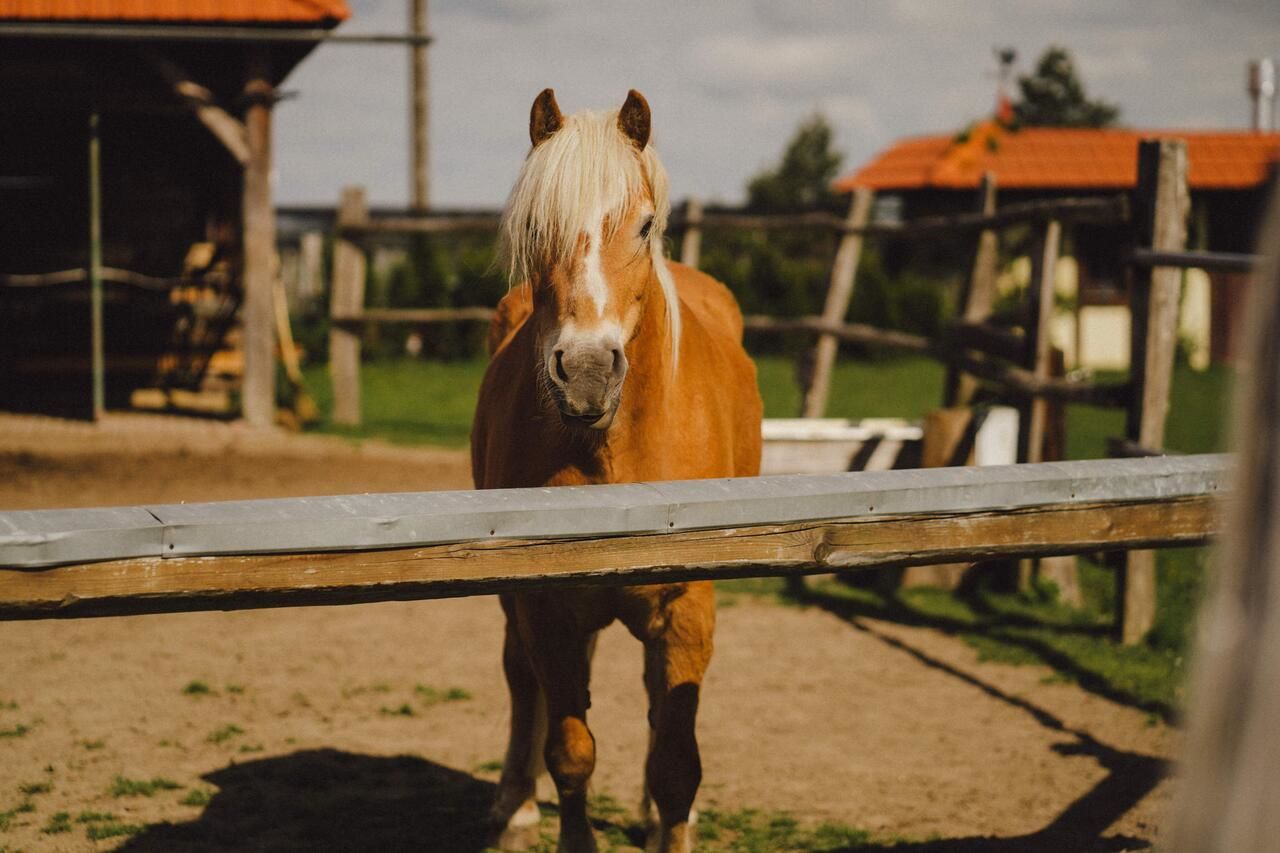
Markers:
<point>334,728</point>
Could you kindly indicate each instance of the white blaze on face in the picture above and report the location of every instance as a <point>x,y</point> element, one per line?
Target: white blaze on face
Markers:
<point>592,272</point>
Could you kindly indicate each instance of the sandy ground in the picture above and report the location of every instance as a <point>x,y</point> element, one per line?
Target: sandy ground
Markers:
<point>322,729</point>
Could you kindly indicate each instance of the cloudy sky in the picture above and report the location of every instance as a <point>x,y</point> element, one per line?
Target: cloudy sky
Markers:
<point>729,81</point>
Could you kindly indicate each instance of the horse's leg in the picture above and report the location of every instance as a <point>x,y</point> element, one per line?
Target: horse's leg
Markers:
<point>515,813</point>
<point>560,652</point>
<point>677,650</point>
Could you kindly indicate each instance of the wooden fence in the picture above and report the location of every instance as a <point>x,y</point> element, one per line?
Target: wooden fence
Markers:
<point>360,548</point>
<point>1017,362</point>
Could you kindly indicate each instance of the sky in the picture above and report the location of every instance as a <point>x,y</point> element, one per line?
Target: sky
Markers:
<point>728,82</point>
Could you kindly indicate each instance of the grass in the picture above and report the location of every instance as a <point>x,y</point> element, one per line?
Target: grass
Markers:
<point>405,710</point>
<point>122,786</point>
<point>199,797</point>
<point>33,788</point>
<point>7,816</point>
<point>224,734</point>
<point>15,731</point>
<point>99,830</point>
<point>432,696</point>
<point>198,688</point>
<point>58,823</point>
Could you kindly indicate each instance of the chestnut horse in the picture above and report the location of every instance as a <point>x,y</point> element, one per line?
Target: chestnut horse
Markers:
<point>610,365</point>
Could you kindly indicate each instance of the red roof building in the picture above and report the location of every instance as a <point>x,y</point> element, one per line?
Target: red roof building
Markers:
<point>175,11</point>
<point>1052,158</point>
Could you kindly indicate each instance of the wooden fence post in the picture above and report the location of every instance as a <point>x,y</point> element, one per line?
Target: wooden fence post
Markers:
<point>1161,203</point>
<point>843,273</point>
<point>1044,264</point>
<point>258,385</point>
<point>691,244</point>
<point>346,301</point>
<point>979,295</point>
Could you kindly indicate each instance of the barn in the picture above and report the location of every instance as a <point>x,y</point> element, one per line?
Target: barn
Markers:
<point>136,218</point>
<point>1227,179</point>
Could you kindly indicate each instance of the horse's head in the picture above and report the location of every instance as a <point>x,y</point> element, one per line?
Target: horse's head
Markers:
<point>584,227</point>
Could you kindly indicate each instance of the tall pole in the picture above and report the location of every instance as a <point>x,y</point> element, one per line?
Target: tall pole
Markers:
<point>98,362</point>
<point>259,245</point>
<point>419,118</point>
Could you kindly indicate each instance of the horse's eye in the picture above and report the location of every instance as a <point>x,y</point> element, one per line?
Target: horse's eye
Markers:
<point>646,228</point>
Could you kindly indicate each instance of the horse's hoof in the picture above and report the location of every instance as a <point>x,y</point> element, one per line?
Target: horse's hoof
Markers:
<point>520,830</point>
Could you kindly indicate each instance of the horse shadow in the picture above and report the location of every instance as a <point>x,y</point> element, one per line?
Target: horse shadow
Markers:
<point>326,799</point>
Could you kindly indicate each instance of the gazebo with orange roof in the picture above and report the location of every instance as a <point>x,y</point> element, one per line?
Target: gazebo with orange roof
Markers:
<point>181,94</point>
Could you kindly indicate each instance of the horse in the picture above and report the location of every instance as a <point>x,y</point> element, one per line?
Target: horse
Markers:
<point>610,364</point>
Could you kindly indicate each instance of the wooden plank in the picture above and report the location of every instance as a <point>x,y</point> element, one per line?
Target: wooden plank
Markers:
<point>1015,380</point>
<point>156,585</point>
<point>979,294</point>
<point>691,244</point>
<point>228,130</point>
<point>1161,204</point>
<point>844,272</point>
<point>1039,342</point>
<point>258,389</point>
<point>417,315</point>
<point>347,300</point>
<point>371,521</point>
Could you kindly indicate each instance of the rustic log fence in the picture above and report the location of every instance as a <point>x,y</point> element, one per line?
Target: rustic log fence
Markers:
<point>1017,362</point>
<point>361,548</point>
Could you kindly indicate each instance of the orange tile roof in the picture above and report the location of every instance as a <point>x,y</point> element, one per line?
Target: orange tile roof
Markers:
<point>1061,158</point>
<point>202,11</point>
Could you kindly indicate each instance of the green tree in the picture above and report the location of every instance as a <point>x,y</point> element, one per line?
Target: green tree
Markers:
<point>1053,96</point>
<point>803,177</point>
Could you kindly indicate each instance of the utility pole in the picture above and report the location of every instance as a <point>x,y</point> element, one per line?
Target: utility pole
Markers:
<point>419,117</point>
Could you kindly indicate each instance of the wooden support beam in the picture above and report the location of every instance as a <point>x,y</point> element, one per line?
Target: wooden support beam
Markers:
<point>1161,204</point>
<point>418,316</point>
<point>298,551</point>
<point>843,274</point>
<point>346,299</point>
<point>419,112</point>
<point>258,242</point>
<point>979,294</point>
<point>691,243</point>
<point>231,132</point>
<point>1039,347</point>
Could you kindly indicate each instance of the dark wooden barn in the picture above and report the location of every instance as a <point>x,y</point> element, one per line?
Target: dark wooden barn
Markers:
<point>174,101</point>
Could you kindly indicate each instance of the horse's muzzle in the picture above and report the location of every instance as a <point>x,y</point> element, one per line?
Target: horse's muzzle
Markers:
<point>586,382</point>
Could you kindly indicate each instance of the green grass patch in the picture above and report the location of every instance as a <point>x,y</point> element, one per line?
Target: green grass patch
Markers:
<point>58,823</point>
<point>9,706</point>
<point>92,745</point>
<point>33,788</point>
<point>224,734</point>
<point>199,797</point>
<point>112,829</point>
<point>94,817</point>
<point>20,730</point>
<point>122,786</point>
<point>752,831</point>
<point>434,696</point>
<point>8,815</point>
<point>235,689</point>
<point>198,688</point>
<point>494,766</point>
<point>408,401</point>
<point>405,710</point>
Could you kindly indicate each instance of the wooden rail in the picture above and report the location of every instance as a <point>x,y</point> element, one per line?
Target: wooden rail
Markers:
<point>235,555</point>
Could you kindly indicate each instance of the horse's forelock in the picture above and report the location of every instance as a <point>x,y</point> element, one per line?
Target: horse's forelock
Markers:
<point>586,170</point>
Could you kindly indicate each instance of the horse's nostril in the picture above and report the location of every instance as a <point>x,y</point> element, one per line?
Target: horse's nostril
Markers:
<point>564,377</point>
<point>617,359</point>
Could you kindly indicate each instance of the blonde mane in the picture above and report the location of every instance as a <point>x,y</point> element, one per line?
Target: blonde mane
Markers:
<point>586,170</point>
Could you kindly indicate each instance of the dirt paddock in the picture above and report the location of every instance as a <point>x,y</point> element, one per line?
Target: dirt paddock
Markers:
<point>378,727</point>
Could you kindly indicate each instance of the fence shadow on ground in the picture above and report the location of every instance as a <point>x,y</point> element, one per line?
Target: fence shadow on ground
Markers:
<point>993,624</point>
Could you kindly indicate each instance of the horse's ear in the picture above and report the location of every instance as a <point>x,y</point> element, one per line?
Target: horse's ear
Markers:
<point>633,119</point>
<point>544,118</point>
